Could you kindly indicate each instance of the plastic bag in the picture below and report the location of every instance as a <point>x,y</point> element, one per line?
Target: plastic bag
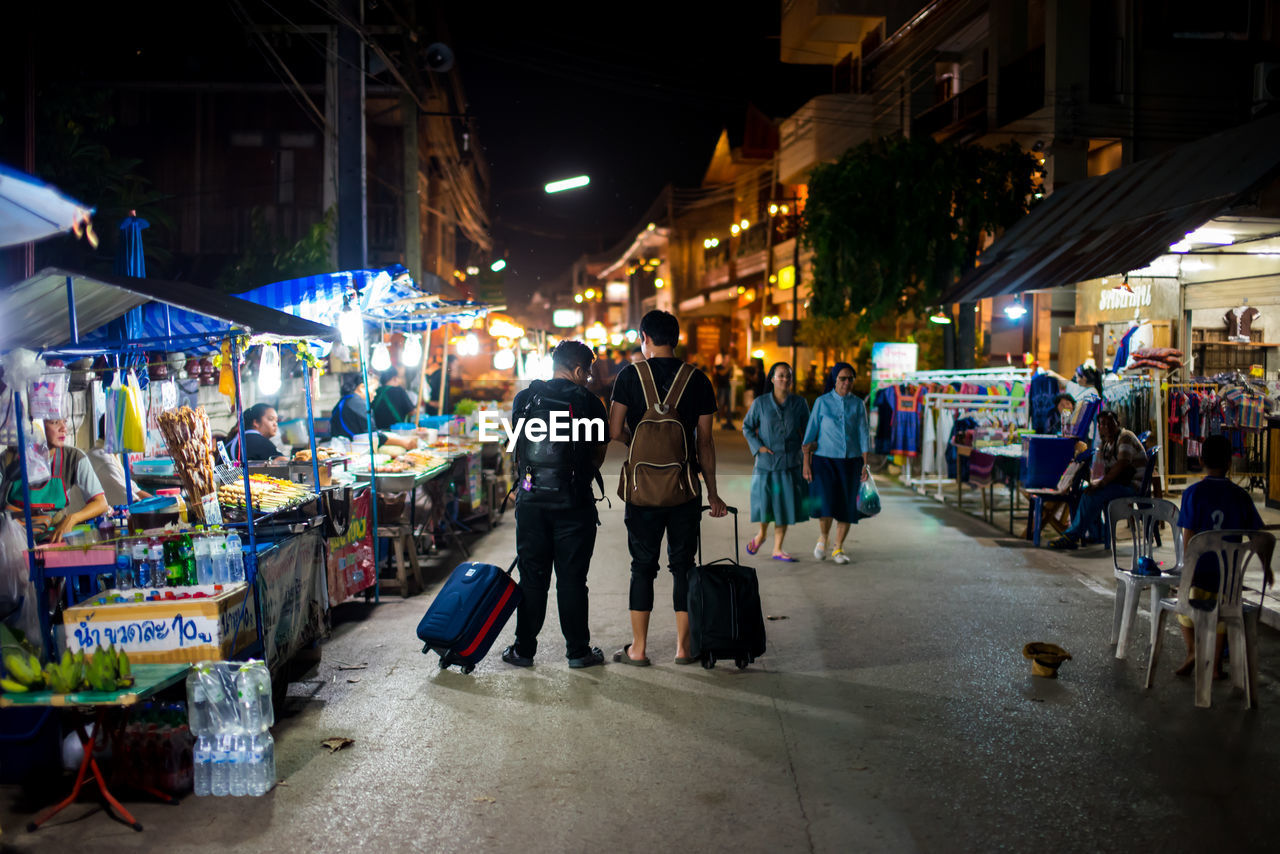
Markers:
<point>8,419</point>
<point>111,419</point>
<point>868,497</point>
<point>13,560</point>
<point>132,415</point>
<point>48,395</point>
<point>38,471</point>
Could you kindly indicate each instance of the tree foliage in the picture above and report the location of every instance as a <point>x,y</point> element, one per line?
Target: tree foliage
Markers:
<point>270,257</point>
<point>895,221</point>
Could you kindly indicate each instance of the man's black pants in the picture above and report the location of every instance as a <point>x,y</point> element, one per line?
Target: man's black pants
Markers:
<point>565,539</point>
<point>645,527</point>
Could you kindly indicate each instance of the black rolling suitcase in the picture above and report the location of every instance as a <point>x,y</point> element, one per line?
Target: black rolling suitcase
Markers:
<point>724,609</point>
<point>468,613</point>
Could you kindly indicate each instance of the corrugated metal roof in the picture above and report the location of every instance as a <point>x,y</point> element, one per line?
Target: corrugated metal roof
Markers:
<point>34,314</point>
<point>1125,219</point>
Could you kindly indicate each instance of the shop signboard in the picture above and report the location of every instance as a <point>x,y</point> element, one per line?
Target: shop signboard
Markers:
<point>890,361</point>
<point>1145,298</point>
<point>351,566</point>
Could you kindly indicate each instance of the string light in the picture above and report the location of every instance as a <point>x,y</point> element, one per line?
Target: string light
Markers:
<point>411,353</point>
<point>269,370</point>
<point>381,359</point>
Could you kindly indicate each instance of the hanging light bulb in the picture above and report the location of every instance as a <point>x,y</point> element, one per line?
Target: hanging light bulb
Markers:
<point>411,354</point>
<point>1015,310</point>
<point>269,370</point>
<point>381,358</point>
<point>941,318</point>
<point>504,360</point>
<point>349,326</point>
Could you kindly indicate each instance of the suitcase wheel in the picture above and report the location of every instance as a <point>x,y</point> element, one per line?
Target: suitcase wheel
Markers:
<point>708,661</point>
<point>467,668</point>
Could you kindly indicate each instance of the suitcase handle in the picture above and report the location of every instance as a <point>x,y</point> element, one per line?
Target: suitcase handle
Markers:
<point>733,511</point>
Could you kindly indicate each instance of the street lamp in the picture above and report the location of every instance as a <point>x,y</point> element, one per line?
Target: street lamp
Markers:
<point>567,184</point>
<point>499,265</point>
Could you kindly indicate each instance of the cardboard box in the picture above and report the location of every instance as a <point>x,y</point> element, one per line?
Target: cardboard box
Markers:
<point>165,630</point>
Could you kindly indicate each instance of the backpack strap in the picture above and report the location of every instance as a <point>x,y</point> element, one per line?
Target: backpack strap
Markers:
<point>338,407</point>
<point>678,386</point>
<point>647,384</point>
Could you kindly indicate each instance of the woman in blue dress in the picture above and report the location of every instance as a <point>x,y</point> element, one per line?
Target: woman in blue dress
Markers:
<point>774,427</point>
<point>835,441</point>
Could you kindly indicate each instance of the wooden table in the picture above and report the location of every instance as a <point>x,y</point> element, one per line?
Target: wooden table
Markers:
<point>148,680</point>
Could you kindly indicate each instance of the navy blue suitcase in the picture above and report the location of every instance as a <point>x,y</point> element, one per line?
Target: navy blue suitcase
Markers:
<point>725,617</point>
<point>468,613</point>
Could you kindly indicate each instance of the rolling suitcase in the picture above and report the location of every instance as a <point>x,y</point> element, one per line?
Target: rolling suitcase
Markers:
<point>468,613</point>
<point>724,609</point>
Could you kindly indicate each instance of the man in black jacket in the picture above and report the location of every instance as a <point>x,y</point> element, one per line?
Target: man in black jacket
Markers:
<point>555,509</point>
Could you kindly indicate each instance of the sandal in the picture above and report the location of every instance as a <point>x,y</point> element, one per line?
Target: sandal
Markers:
<point>622,657</point>
<point>692,659</point>
<point>786,558</point>
<point>752,547</point>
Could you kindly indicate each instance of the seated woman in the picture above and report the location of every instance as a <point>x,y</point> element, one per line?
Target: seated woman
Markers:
<point>50,500</point>
<point>261,424</point>
<point>1064,407</point>
<point>350,415</point>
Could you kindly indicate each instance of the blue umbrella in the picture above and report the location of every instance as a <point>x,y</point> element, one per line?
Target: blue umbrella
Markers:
<point>32,210</point>
<point>130,260</point>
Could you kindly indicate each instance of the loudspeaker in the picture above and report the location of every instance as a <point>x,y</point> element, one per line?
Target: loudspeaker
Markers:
<point>439,57</point>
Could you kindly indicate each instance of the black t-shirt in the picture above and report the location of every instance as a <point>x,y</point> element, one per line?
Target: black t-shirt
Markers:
<point>257,447</point>
<point>585,405</point>
<point>699,397</point>
<point>391,406</point>
<point>349,417</point>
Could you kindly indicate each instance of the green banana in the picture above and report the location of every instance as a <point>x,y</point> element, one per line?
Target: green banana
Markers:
<point>126,671</point>
<point>19,670</point>
<point>12,687</point>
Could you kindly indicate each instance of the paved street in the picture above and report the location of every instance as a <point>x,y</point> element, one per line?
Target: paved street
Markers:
<point>893,712</point>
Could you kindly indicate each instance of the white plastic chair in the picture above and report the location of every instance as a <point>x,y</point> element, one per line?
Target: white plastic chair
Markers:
<point>1144,516</point>
<point>1234,551</point>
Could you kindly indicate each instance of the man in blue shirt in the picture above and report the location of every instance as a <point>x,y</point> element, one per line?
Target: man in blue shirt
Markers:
<point>1212,504</point>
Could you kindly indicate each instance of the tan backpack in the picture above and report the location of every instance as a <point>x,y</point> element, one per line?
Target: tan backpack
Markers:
<point>657,471</point>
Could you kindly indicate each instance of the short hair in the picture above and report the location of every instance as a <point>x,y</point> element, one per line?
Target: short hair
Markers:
<point>1112,414</point>
<point>388,375</point>
<point>350,383</point>
<point>572,354</point>
<point>1062,397</point>
<point>662,328</point>
<point>1216,452</point>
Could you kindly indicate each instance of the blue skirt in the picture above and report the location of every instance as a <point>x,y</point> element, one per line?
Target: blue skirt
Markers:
<point>779,496</point>
<point>834,489</point>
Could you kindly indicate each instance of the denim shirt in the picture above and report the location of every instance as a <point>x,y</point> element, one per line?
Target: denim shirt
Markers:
<point>778,428</point>
<point>839,425</point>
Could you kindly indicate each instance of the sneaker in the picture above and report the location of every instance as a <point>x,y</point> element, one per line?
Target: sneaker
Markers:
<point>591,659</point>
<point>510,656</point>
<point>820,551</point>
<point>1064,543</point>
<point>840,557</point>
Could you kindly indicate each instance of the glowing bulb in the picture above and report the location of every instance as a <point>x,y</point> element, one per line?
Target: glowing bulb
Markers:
<point>735,228</point>
<point>940,318</point>
<point>591,293</point>
<point>269,370</point>
<point>504,360</point>
<point>757,354</point>
<point>349,326</point>
<point>632,335</point>
<point>466,322</point>
<point>1015,311</point>
<point>746,223</point>
<point>411,353</point>
<point>577,297</point>
<point>657,283</point>
<point>381,359</point>
<point>773,209</point>
<point>741,290</point>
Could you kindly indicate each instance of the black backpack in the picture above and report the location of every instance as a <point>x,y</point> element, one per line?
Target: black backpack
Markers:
<point>552,473</point>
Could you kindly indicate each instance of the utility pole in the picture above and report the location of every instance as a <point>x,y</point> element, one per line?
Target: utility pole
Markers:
<point>353,241</point>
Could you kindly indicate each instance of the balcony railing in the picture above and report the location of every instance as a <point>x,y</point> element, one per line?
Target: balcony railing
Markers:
<point>970,106</point>
<point>1021,87</point>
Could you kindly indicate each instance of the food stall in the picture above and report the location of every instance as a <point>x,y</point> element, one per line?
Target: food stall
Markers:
<point>270,529</point>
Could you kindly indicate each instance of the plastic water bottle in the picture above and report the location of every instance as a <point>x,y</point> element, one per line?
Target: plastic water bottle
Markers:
<point>220,780</point>
<point>253,687</point>
<point>202,766</point>
<point>204,558</point>
<point>238,765</point>
<point>124,568</point>
<point>198,718</point>
<point>221,566</point>
<point>141,567</point>
<point>235,557</point>
<point>263,750</point>
<point>159,575</point>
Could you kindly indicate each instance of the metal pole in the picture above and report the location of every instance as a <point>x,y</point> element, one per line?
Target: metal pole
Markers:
<point>34,574</point>
<point>71,311</point>
<point>795,289</point>
<point>373,468</point>
<point>124,454</point>
<point>311,423</point>
<point>422,372</point>
<point>251,566</point>
<point>444,373</point>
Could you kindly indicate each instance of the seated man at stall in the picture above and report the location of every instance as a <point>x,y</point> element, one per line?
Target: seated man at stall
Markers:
<point>1212,504</point>
<point>1124,462</point>
<point>51,498</point>
<point>351,415</point>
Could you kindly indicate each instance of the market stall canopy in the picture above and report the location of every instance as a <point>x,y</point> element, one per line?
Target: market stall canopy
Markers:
<point>32,210</point>
<point>35,313</point>
<point>1125,219</point>
<point>385,296</point>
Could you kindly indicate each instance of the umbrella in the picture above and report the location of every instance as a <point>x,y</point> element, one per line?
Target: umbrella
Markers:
<point>130,260</point>
<point>31,210</point>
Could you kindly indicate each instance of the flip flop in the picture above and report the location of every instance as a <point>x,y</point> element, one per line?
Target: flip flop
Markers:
<point>786,558</point>
<point>752,548</point>
<point>622,657</point>
<point>687,660</point>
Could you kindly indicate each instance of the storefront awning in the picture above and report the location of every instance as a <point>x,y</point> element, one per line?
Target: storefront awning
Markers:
<point>1125,219</point>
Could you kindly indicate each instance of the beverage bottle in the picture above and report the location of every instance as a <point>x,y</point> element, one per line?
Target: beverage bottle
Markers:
<point>221,571</point>
<point>263,763</point>
<point>187,552</point>
<point>204,559</point>
<point>174,573</point>
<point>220,781</point>
<point>157,567</point>
<point>141,572</point>
<point>237,775</point>
<point>124,567</point>
<point>197,704</point>
<point>202,765</point>
<point>235,556</point>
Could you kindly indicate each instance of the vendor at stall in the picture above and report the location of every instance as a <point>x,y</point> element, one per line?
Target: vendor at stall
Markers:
<point>110,472</point>
<point>262,425</point>
<point>50,499</point>
<point>351,415</point>
<point>392,405</point>
<point>1064,407</point>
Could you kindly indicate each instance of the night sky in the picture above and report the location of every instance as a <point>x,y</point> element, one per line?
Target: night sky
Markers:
<point>635,97</point>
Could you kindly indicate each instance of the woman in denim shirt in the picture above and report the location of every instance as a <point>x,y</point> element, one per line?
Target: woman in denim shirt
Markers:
<point>834,443</point>
<point>774,426</point>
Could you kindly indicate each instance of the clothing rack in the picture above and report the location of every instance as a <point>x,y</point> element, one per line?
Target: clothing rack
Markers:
<point>959,403</point>
<point>1199,385</point>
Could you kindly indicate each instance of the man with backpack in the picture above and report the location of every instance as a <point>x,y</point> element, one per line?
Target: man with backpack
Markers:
<point>556,515</point>
<point>663,410</point>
